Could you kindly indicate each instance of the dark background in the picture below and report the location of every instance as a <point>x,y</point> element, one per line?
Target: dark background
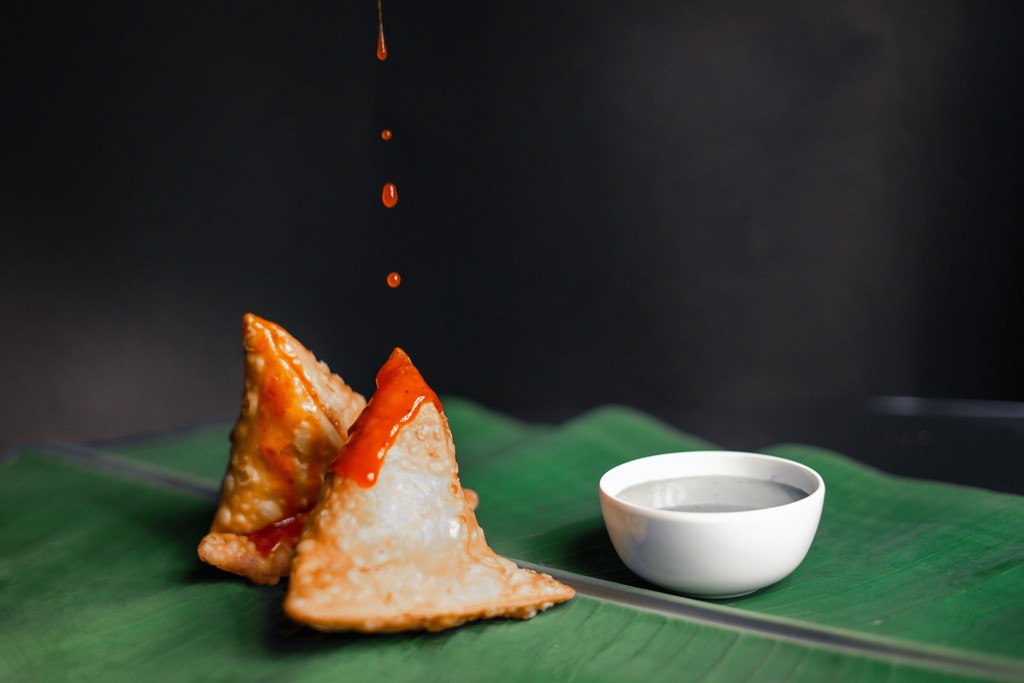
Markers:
<point>745,219</point>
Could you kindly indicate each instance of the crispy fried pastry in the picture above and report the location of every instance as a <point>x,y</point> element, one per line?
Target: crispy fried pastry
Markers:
<point>294,419</point>
<point>393,544</point>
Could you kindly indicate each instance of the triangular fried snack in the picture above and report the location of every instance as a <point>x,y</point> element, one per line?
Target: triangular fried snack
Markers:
<point>294,419</point>
<point>392,544</point>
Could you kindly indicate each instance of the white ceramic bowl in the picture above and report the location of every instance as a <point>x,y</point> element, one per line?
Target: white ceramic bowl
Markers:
<point>711,554</point>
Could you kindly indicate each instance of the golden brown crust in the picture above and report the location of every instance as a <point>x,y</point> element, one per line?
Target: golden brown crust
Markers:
<point>472,498</point>
<point>238,555</point>
<point>407,553</point>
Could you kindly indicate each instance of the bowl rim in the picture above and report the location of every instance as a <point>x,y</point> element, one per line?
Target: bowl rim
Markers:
<point>813,498</point>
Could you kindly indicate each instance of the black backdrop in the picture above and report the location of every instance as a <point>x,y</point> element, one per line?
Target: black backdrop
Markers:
<point>742,218</point>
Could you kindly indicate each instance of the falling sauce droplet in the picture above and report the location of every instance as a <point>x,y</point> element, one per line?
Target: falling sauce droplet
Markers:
<point>382,49</point>
<point>389,196</point>
<point>394,279</point>
<point>385,134</point>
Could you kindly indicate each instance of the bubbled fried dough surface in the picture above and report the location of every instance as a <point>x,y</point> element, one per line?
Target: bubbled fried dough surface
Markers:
<point>294,417</point>
<point>238,555</point>
<point>407,553</point>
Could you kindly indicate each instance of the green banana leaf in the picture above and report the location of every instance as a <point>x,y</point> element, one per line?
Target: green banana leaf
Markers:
<point>906,580</point>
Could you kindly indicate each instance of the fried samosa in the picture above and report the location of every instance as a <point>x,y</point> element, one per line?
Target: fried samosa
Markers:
<point>393,544</point>
<point>294,419</point>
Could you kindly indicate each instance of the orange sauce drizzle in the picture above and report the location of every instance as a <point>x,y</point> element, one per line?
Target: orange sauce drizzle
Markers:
<point>277,413</point>
<point>285,531</point>
<point>400,393</point>
<point>382,49</point>
<point>389,195</point>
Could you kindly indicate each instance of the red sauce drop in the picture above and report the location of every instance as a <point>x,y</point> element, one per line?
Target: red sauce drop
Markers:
<point>285,531</point>
<point>394,279</point>
<point>400,393</point>
<point>382,49</point>
<point>389,195</point>
<point>385,134</point>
